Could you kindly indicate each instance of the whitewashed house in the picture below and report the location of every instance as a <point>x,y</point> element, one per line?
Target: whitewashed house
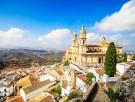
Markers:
<point>7,89</point>
<point>66,91</point>
<point>81,85</point>
<point>122,68</point>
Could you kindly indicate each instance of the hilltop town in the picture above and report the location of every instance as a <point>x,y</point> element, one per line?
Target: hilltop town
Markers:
<point>78,77</point>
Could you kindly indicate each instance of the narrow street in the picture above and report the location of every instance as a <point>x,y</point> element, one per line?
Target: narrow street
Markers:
<point>92,95</point>
<point>99,95</point>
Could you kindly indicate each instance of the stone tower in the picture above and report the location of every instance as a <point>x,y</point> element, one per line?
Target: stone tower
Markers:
<point>75,47</point>
<point>82,46</point>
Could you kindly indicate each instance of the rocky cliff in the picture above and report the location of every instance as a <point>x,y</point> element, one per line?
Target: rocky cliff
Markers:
<point>127,85</point>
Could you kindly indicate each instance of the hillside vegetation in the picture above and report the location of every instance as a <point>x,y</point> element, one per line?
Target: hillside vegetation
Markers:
<point>24,57</point>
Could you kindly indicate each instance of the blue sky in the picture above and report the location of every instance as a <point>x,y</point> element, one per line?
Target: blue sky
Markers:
<point>31,19</point>
<point>49,14</point>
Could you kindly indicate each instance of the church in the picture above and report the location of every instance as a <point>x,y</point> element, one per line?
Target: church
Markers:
<point>83,54</point>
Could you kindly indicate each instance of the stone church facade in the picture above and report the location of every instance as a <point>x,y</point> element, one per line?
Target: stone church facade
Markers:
<point>88,55</point>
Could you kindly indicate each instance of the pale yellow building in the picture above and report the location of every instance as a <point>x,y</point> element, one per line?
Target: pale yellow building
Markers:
<point>88,55</point>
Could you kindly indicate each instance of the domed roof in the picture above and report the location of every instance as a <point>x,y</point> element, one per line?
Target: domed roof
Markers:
<point>103,41</point>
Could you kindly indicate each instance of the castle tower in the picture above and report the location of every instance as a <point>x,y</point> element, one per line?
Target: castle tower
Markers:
<point>82,46</point>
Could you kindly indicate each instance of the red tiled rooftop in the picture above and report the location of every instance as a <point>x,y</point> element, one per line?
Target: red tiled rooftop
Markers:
<point>82,77</point>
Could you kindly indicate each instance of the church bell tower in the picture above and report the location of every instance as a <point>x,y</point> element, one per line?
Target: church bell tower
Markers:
<point>82,46</point>
<point>75,46</point>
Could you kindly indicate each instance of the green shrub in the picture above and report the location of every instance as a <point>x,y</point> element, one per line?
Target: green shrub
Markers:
<point>113,95</point>
<point>58,90</point>
<point>74,95</point>
<point>66,63</point>
<point>89,77</point>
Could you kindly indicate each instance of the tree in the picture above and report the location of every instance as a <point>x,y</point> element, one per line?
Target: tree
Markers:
<point>74,94</point>
<point>124,57</point>
<point>133,58</point>
<point>58,90</point>
<point>66,63</point>
<point>119,59</point>
<point>4,64</point>
<point>89,77</point>
<point>113,95</point>
<point>110,60</point>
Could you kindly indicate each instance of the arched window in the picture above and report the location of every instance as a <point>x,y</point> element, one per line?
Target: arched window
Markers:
<point>99,60</point>
<point>83,41</point>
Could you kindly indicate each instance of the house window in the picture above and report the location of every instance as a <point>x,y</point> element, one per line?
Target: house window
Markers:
<point>83,42</point>
<point>4,90</point>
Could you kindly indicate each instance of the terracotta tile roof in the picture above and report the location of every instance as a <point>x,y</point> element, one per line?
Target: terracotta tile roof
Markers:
<point>100,71</point>
<point>64,83</point>
<point>47,99</point>
<point>36,85</point>
<point>54,94</point>
<point>43,97</point>
<point>15,99</point>
<point>59,71</point>
<point>82,77</point>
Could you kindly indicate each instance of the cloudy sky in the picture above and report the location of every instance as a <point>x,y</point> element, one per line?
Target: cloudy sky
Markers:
<point>49,24</point>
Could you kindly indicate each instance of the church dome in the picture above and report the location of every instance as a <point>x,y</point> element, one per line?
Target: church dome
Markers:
<point>103,41</point>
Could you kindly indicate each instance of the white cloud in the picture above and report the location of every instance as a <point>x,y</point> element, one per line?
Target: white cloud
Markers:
<point>118,39</point>
<point>124,42</point>
<point>19,38</point>
<point>11,38</point>
<point>115,37</point>
<point>123,20</point>
<point>132,34</point>
<point>92,38</point>
<point>57,39</point>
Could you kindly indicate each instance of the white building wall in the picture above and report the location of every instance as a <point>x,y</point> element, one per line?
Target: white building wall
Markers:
<point>8,92</point>
<point>81,85</point>
<point>23,94</point>
<point>122,68</point>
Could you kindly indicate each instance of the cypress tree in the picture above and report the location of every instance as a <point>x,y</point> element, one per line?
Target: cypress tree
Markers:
<point>133,58</point>
<point>124,57</point>
<point>110,60</point>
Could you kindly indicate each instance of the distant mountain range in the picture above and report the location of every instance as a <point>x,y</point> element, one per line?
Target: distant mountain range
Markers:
<point>130,51</point>
<point>24,57</point>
